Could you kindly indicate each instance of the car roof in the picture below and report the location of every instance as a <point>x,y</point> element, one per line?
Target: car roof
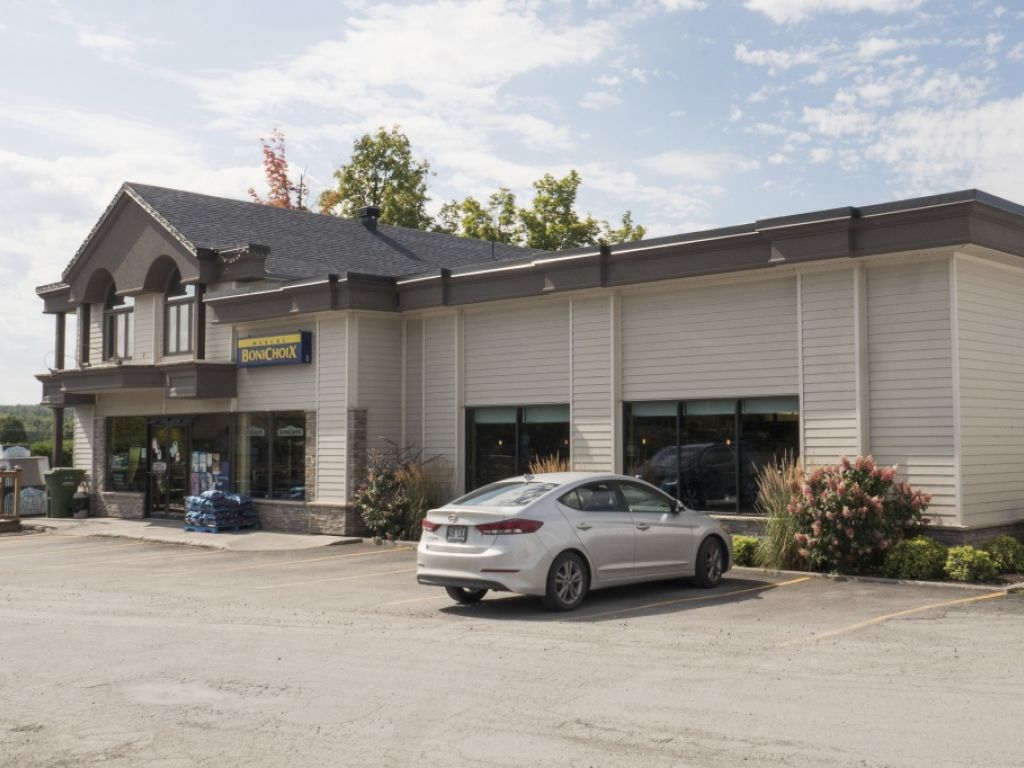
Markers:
<point>561,478</point>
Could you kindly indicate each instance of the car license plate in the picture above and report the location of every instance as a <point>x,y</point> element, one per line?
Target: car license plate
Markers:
<point>457,534</point>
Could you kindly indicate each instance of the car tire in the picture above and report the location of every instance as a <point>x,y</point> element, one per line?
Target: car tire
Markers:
<point>568,582</point>
<point>465,595</point>
<point>710,563</point>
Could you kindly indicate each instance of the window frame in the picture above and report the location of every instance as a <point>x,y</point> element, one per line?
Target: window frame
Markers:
<point>673,504</point>
<point>178,303</point>
<point>118,327</point>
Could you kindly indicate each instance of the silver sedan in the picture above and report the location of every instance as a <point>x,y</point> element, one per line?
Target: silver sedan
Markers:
<point>560,535</point>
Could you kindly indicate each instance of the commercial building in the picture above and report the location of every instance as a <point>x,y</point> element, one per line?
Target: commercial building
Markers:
<point>232,345</point>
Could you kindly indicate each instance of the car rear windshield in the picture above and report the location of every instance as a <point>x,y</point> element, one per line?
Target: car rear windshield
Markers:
<point>505,494</point>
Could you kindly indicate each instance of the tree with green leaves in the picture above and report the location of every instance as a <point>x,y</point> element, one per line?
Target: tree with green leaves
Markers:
<point>382,173</point>
<point>552,223</point>
<point>12,431</point>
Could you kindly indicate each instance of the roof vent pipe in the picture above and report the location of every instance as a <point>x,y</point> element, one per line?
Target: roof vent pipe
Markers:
<point>368,215</point>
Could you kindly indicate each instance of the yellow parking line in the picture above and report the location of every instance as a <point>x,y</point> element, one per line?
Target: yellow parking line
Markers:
<point>62,550</point>
<point>116,560</point>
<point>715,596</point>
<point>890,617</point>
<point>336,578</point>
<point>307,560</point>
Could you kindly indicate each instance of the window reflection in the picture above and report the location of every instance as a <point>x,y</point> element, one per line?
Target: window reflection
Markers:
<point>502,441</point>
<point>707,453</point>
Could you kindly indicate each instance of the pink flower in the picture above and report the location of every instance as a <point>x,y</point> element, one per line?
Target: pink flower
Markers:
<point>846,512</point>
<point>849,533</point>
<point>816,528</point>
<point>803,553</point>
<point>800,538</point>
<point>883,544</point>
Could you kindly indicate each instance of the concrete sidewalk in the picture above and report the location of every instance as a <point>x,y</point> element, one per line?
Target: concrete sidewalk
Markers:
<point>171,532</point>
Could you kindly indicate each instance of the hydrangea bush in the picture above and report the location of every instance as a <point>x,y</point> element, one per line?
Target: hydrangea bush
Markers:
<point>849,514</point>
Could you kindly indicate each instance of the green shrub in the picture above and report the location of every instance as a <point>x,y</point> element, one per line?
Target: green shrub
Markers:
<point>1007,553</point>
<point>969,564</point>
<point>775,484</point>
<point>398,491</point>
<point>917,558</point>
<point>850,514</point>
<point>744,549</point>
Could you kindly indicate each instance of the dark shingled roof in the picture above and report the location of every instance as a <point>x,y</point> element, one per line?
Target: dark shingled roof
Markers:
<point>304,244</point>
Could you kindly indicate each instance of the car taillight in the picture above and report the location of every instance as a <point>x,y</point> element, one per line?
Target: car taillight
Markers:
<point>512,525</point>
<point>430,525</point>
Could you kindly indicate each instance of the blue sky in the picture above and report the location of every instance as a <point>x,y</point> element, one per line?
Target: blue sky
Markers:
<point>690,113</point>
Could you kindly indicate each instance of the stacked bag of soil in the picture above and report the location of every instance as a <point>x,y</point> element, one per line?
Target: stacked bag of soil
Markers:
<point>216,509</point>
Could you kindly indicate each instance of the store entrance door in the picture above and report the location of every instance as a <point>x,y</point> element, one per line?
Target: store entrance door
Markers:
<point>167,466</point>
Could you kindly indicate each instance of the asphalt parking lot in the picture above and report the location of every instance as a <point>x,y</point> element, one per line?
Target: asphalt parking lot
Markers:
<point>133,654</point>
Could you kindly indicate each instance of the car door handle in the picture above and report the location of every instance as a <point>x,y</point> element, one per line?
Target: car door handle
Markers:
<point>643,527</point>
<point>584,526</point>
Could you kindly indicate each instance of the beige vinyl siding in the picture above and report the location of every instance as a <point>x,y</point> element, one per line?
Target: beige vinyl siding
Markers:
<point>591,439</point>
<point>714,340</point>
<point>331,368</point>
<point>380,379</point>
<point>440,418</point>
<point>828,407</point>
<point>414,384</point>
<point>218,341</point>
<point>84,442</point>
<point>990,329</point>
<point>276,387</point>
<point>146,349</point>
<point>517,355</point>
<point>96,334</point>
<point>153,403</point>
<point>910,374</point>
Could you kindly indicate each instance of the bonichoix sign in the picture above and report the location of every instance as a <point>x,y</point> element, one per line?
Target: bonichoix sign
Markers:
<point>283,349</point>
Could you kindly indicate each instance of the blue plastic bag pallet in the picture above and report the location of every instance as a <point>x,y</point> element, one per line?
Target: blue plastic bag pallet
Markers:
<point>220,528</point>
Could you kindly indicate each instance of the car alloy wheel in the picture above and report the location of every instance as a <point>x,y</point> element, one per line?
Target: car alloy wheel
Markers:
<point>710,563</point>
<point>568,582</point>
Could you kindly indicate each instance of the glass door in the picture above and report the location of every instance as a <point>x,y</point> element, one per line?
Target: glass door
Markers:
<point>167,466</point>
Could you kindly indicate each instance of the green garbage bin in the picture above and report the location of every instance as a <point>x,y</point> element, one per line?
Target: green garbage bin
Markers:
<point>61,484</point>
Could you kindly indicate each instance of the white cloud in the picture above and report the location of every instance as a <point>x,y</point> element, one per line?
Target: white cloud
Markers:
<point>609,81</point>
<point>598,100</point>
<point>700,166</point>
<point>792,11</point>
<point>1016,53</point>
<point>837,120</point>
<point>777,158</point>
<point>992,42</point>
<point>821,154</point>
<point>683,5</point>
<point>735,113</point>
<point>873,47</point>
<point>777,60</point>
<point>942,149</point>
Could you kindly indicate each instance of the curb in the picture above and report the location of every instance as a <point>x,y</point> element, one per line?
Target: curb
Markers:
<point>1006,588</point>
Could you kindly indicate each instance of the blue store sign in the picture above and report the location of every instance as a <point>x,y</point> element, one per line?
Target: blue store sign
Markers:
<point>284,349</point>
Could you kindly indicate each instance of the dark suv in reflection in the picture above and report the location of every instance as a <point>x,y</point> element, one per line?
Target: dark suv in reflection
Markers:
<point>705,474</point>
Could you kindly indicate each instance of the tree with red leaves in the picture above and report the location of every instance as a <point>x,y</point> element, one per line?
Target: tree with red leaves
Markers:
<point>284,193</point>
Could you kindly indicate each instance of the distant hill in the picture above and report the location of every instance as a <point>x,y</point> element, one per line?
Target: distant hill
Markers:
<point>38,421</point>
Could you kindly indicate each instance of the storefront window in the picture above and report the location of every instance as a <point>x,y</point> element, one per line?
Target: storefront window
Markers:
<point>211,453</point>
<point>708,453</point>
<point>270,457</point>
<point>126,454</point>
<point>288,471</point>
<point>503,441</point>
